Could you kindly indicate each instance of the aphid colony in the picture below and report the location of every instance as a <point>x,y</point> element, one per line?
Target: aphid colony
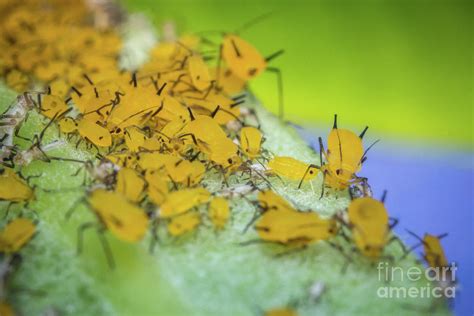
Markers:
<point>159,133</point>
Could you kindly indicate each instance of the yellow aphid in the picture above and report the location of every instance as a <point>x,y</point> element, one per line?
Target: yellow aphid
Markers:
<point>155,160</point>
<point>130,184</point>
<point>184,223</point>
<point>59,87</point>
<point>136,107</point>
<point>17,80</point>
<point>6,309</point>
<point>292,169</point>
<point>13,188</point>
<point>219,212</point>
<point>369,220</point>
<point>228,81</point>
<point>134,138</point>
<point>52,105</point>
<point>344,156</point>
<point>269,200</point>
<point>250,141</point>
<point>199,72</point>
<point>90,99</point>
<point>212,140</point>
<point>122,218</point>
<point>94,133</point>
<point>181,201</point>
<point>67,125</point>
<point>186,172</point>
<point>281,312</point>
<point>242,58</point>
<point>16,234</point>
<point>157,185</point>
<point>123,159</point>
<point>434,252</point>
<point>290,226</point>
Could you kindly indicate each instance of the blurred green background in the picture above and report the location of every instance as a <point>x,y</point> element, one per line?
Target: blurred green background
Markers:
<point>402,67</point>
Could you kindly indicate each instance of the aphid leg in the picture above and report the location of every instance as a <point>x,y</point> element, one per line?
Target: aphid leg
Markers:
<point>421,242</point>
<point>7,211</point>
<point>400,243</point>
<point>255,216</point>
<point>154,237</point>
<point>17,134</point>
<point>80,235</point>
<point>105,245</point>
<point>280,90</point>
<point>71,210</point>
<point>393,223</point>
<point>78,143</point>
<point>343,253</point>
<point>290,251</point>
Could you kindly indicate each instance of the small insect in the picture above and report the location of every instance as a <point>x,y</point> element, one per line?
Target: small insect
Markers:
<point>92,132</point>
<point>186,172</point>
<point>292,169</point>
<point>16,234</point>
<point>14,188</point>
<point>6,309</point>
<point>199,72</point>
<point>433,250</point>
<point>125,220</point>
<point>219,212</point>
<point>246,62</point>
<point>157,188</point>
<point>51,105</point>
<point>178,202</point>
<point>183,223</point>
<point>134,138</point>
<point>284,311</point>
<point>130,184</point>
<point>268,200</point>
<point>370,228</point>
<point>250,141</point>
<point>291,227</point>
<point>345,155</point>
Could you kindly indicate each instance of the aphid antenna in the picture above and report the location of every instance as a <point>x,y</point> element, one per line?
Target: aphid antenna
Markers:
<point>274,55</point>
<point>237,103</point>
<point>361,136</point>
<point>441,236</point>
<point>364,156</point>
<point>334,125</point>
<point>384,196</point>
<point>79,94</point>
<point>191,115</point>
<point>88,79</point>
<point>253,21</point>
<point>241,96</point>
<point>305,173</point>
<point>134,79</point>
<point>160,89</point>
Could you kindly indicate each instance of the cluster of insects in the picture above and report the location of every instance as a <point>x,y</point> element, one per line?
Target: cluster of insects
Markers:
<point>160,134</point>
